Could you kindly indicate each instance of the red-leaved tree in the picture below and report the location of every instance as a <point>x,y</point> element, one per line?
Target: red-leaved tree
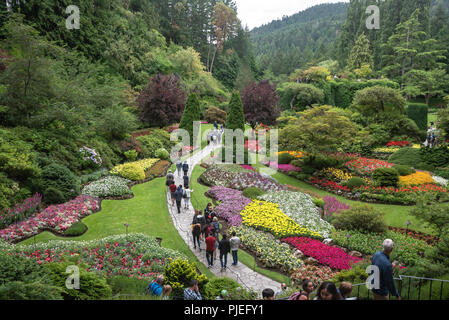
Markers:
<point>162,102</point>
<point>260,103</point>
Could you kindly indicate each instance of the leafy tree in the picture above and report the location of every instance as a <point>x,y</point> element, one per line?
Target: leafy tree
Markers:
<point>299,95</point>
<point>360,54</point>
<point>318,129</point>
<point>376,100</point>
<point>162,101</point>
<point>260,104</point>
<point>428,210</point>
<point>116,122</point>
<point>190,115</point>
<point>429,83</point>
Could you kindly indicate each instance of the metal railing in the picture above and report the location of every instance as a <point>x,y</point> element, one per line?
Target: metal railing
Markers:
<point>411,288</point>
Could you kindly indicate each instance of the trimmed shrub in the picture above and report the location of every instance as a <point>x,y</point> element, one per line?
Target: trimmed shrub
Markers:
<point>132,172</point>
<point>18,290</point>
<point>444,173</point>
<point>404,170</point>
<point>131,155</point>
<point>418,112</point>
<point>355,182</point>
<point>162,154</point>
<point>252,192</point>
<point>285,158</point>
<point>214,114</point>
<point>320,162</point>
<point>214,287</point>
<point>149,145</point>
<point>76,229</point>
<point>386,177</point>
<point>361,218</point>
<point>437,157</point>
<point>61,178</point>
<point>406,156</point>
<point>53,196</point>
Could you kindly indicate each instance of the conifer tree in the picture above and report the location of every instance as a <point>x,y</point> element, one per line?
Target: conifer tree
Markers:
<point>360,54</point>
<point>191,114</point>
<point>236,117</point>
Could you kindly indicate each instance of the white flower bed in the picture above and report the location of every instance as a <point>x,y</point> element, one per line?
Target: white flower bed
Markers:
<point>440,181</point>
<point>110,186</point>
<point>300,207</point>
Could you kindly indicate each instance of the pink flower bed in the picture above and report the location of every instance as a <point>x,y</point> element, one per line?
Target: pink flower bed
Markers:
<point>283,167</point>
<point>333,257</point>
<point>247,167</point>
<point>57,218</point>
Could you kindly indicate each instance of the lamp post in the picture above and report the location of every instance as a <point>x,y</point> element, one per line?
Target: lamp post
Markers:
<point>407,223</point>
<point>126,225</point>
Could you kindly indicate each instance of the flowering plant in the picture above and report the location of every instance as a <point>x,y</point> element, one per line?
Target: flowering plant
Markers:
<point>416,179</point>
<point>318,274</point>
<point>398,144</point>
<point>111,186</point>
<point>295,154</point>
<point>253,179</point>
<point>282,167</point>
<point>336,174</point>
<point>90,156</point>
<point>232,202</point>
<point>365,166</point>
<point>332,205</point>
<point>20,211</point>
<point>334,257</point>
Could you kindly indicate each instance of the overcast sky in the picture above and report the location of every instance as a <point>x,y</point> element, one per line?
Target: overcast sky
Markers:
<point>255,13</point>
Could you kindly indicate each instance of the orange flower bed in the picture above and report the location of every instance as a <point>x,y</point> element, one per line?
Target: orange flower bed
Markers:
<point>416,179</point>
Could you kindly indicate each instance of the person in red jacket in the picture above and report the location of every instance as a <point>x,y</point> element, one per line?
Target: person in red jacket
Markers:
<point>210,247</point>
<point>173,188</point>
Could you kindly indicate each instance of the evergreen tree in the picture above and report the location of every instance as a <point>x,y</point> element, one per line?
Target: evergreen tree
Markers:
<point>236,117</point>
<point>360,54</point>
<point>191,113</point>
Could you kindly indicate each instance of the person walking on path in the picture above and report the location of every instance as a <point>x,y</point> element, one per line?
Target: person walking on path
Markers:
<point>209,213</point>
<point>215,125</point>
<point>235,244</point>
<point>210,247</point>
<point>185,168</point>
<point>199,218</point>
<point>178,196</point>
<point>179,168</point>
<point>186,196</point>
<point>192,292</point>
<point>381,259</point>
<point>225,248</point>
<point>186,181</point>
<point>173,189</point>
<point>196,233</point>
<point>170,178</point>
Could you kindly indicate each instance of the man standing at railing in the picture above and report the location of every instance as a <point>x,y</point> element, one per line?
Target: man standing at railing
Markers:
<point>381,259</point>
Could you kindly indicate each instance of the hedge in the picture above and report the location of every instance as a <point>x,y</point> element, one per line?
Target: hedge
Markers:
<point>418,112</point>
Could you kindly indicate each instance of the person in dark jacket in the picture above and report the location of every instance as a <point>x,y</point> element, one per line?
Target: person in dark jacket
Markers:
<point>225,247</point>
<point>381,259</point>
<point>178,197</point>
<point>185,168</point>
<point>196,233</point>
<point>199,218</point>
<point>209,213</point>
<point>186,181</point>
<point>179,167</point>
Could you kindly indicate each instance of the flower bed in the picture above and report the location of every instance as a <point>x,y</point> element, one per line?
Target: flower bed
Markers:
<point>407,249</point>
<point>365,166</point>
<point>329,185</point>
<point>55,218</point>
<point>334,174</point>
<point>215,176</point>
<point>332,206</point>
<point>20,211</point>
<point>232,202</point>
<point>430,240</point>
<point>295,154</point>
<point>253,179</point>
<point>269,251</point>
<point>441,181</point>
<point>333,257</point>
<point>400,144</point>
<point>318,274</point>
<point>301,208</point>
<point>282,167</point>
<point>134,171</point>
<point>134,255</point>
<point>267,216</point>
<point>111,186</point>
<point>416,179</point>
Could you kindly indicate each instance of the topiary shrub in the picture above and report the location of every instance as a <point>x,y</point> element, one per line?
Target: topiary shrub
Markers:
<point>162,154</point>
<point>252,192</point>
<point>76,229</point>
<point>214,287</point>
<point>355,182</point>
<point>131,155</point>
<point>285,158</point>
<point>149,145</point>
<point>404,170</point>
<point>406,156</point>
<point>132,172</point>
<point>91,286</point>
<point>61,178</point>
<point>418,112</point>
<point>320,162</point>
<point>179,274</point>
<point>386,177</point>
<point>53,196</point>
<point>362,218</point>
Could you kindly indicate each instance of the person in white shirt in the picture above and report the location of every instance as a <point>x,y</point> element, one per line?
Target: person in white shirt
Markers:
<point>235,243</point>
<point>186,197</point>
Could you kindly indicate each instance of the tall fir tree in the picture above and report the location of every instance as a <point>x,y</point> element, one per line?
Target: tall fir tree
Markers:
<point>236,117</point>
<point>191,114</point>
<point>361,54</point>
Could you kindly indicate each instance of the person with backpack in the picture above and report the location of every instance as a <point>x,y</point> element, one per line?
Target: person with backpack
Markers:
<point>157,288</point>
<point>185,168</point>
<point>169,179</point>
<point>196,233</point>
<point>173,189</point>
<point>224,247</point>
<point>178,197</point>
<point>186,197</point>
<point>307,289</point>
<point>209,213</point>
<point>199,218</point>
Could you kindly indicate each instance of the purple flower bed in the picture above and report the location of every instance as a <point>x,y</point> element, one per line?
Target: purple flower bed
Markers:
<point>247,167</point>
<point>283,167</point>
<point>57,218</point>
<point>253,179</point>
<point>232,202</point>
<point>332,205</point>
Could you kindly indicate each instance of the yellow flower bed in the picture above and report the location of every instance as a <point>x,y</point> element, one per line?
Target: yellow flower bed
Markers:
<point>295,154</point>
<point>386,150</point>
<point>267,216</point>
<point>134,171</point>
<point>416,179</point>
<point>339,174</point>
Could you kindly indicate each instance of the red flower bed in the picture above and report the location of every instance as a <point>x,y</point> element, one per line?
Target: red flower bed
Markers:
<point>365,166</point>
<point>324,183</point>
<point>392,190</point>
<point>431,240</point>
<point>398,144</point>
<point>333,257</point>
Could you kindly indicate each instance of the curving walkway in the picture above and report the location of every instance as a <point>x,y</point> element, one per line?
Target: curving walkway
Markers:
<point>182,222</point>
